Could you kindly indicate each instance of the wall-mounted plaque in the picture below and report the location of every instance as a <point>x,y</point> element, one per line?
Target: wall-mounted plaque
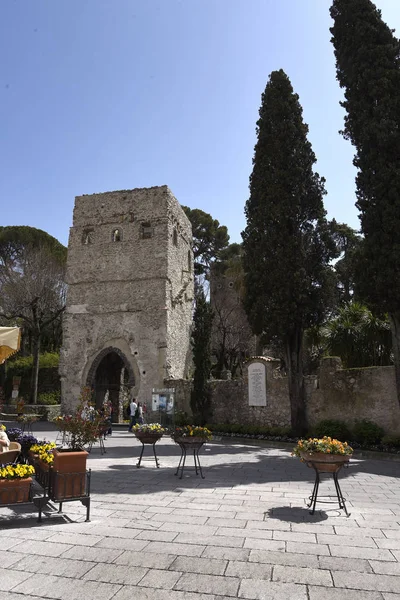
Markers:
<point>257,384</point>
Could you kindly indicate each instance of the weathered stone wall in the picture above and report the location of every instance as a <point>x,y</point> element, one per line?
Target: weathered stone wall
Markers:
<point>354,394</point>
<point>119,291</point>
<point>348,395</point>
<point>180,291</point>
<point>231,329</point>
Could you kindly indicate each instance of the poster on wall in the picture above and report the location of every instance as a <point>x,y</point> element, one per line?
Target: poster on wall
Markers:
<point>257,384</point>
<point>163,400</point>
<point>163,403</point>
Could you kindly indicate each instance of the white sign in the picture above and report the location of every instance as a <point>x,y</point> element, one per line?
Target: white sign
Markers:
<point>257,384</point>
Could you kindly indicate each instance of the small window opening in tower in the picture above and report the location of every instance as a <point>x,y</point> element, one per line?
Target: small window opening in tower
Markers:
<point>147,231</point>
<point>87,237</point>
<point>231,284</point>
<point>175,237</point>
<point>117,235</point>
<point>189,261</point>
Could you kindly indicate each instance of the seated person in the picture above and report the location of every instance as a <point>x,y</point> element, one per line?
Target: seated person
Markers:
<point>4,441</point>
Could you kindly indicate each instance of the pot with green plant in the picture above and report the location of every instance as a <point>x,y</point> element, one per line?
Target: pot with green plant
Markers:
<point>79,430</point>
<point>326,455</point>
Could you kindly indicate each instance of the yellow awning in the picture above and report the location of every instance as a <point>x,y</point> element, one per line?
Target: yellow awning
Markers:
<point>10,341</point>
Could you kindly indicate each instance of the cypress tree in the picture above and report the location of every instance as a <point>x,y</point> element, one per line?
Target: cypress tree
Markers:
<point>368,68</point>
<point>287,245</point>
<point>200,399</point>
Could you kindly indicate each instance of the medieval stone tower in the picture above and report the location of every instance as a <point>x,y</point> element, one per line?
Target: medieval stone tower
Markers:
<point>130,293</point>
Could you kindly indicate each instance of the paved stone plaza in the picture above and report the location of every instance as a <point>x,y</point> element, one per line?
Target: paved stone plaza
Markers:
<point>244,531</point>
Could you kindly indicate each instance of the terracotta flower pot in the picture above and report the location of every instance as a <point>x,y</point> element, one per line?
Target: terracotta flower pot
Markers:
<point>68,477</point>
<point>14,490</point>
<point>325,463</point>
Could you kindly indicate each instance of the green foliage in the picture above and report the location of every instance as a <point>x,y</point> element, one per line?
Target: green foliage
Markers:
<point>22,365</point>
<point>200,399</point>
<point>287,242</point>
<point>182,418</point>
<point>209,238</point>
<point>348,243</point>
<point>358,337</point>
<point>49,398</point>
<point>391,440</point>
<point>367,433</point>
<point>250,429</point>
<point>367,65</point>
<point>332,428</point>
<point>16,238</point>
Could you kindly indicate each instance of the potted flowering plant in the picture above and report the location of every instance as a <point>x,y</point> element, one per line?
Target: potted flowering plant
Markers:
<point>43,451</point>
<point>15,483</point>
<point>14,433</point>
<point>325,454</point>
<point>79,430</point>
<point>191,434</point>
<point>148,433</point>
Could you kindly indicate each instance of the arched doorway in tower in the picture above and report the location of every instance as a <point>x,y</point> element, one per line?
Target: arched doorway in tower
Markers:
<point>111,378</point>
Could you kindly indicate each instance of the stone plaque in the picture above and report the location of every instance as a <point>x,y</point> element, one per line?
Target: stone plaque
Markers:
<point>257,384</point>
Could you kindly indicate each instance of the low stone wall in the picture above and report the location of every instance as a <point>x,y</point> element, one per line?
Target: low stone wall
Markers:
<point>354,394</point>
<point>348,395</point>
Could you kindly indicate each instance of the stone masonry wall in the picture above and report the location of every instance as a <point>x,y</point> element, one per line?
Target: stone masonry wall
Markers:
<point>354,394</point>
<point>119,291</point>
<point>180,290</point>
<point>348,395</point>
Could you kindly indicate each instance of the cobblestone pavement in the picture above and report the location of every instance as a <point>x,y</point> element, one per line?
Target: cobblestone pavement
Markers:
<point>244,531</point>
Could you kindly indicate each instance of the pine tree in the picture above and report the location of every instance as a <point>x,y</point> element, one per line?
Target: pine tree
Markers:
<point>200,399</point>
<point>287,244</point>
<point>368,68</point>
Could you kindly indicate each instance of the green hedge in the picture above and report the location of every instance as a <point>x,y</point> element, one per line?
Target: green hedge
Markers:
<point>249,429</point>
<point>21,366</point>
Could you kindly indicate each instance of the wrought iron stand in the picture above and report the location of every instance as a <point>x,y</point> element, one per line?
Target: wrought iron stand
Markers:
<point>192,447</point>
<point>321,467</point>
<point>62,487</point>
<point>149,440</point>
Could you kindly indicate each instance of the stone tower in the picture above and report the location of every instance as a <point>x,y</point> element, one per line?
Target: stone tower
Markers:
<point>130,293</point>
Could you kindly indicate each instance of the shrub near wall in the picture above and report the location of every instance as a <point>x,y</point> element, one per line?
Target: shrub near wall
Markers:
<point>49,379</point>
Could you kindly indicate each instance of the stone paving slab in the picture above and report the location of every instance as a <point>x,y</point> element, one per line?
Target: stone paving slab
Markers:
<point>242,532</point>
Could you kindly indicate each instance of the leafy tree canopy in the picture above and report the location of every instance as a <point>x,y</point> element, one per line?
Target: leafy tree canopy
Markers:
<point>15,239</point>
<point>209,238</point>
<point>358,337</point>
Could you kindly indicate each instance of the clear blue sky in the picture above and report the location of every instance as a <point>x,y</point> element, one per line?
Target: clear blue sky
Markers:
<point>99,95</point>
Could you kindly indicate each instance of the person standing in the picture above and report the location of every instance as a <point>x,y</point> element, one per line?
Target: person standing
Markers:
<point>140,413</point>
<point>133,406</point>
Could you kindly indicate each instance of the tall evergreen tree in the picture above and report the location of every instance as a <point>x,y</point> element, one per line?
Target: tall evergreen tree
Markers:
<point>287,244</point>
<point>200,399</point>
<point>368,68</point>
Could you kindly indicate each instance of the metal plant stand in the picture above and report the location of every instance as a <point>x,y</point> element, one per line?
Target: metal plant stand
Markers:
<point>190,446</point>
<point>62,487</point>
<point>320,467</point>
<point>149,440</point>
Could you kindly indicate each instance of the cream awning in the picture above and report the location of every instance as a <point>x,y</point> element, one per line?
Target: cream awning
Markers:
<point>10,340</point>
